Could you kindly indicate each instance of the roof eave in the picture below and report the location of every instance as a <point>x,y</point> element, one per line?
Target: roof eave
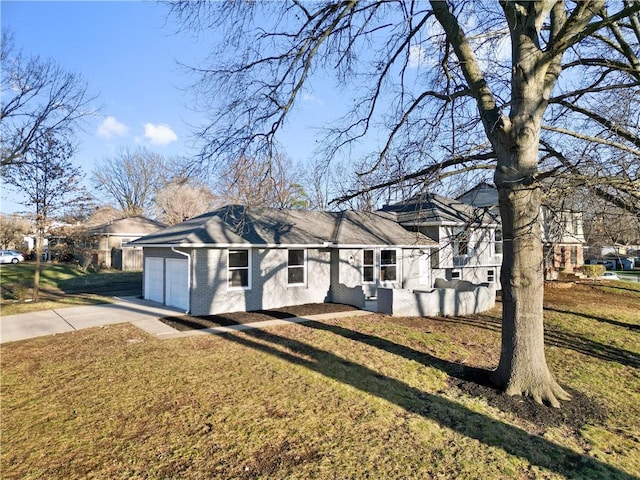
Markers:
<point>280,245</point>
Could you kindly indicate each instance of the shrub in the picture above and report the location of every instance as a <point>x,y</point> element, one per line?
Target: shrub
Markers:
<point>592,271</point>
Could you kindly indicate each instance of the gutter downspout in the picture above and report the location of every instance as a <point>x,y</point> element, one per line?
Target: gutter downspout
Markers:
<point>173,249</point>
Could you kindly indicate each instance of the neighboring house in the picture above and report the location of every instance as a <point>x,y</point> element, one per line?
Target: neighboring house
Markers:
<point>469,238</point>
<point>598,252</point>
<point>251,258</point>
<point>563,238</point>
<point>562,231</point>
<point>483,195</point>
<point>108,242</point>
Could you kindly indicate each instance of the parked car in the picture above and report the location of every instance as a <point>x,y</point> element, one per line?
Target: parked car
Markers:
<point>10,256</point>
<point>608,276</point>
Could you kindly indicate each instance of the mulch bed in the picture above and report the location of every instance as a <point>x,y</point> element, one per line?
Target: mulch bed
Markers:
<point>190,322</point>
<point>579,411</point>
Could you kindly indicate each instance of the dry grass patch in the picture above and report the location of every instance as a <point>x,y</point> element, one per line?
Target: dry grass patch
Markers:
<point>62,285</point>
<point>361,397</point>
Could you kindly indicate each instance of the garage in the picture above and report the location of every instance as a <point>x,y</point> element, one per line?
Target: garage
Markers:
<point>177,283</point>
<point>153,279</point>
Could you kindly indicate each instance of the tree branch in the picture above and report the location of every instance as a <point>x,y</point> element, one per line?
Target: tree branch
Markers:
<point>589,138</point>
<point>492,118</point>
<point>600,192</point>
<point>430,170</point>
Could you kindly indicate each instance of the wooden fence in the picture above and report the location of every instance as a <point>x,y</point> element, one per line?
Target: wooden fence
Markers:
<point>126,259</point>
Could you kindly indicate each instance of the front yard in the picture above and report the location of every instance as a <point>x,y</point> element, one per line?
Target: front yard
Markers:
<point>361,397</point>
<point>62,285</point>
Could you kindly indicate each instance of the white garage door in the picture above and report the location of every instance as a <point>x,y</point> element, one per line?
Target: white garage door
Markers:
<point>153,279</point>
<point>177,282</point>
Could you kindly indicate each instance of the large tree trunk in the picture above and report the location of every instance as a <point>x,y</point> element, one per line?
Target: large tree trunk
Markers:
<point>523,367</point>
<point>515,137</point>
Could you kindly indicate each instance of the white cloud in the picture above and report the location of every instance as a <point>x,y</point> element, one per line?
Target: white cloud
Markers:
<point>417,56</point>
<point>494,52</point>
<point>310,98</point>
<point>111,127</point>
<point>159,134</point>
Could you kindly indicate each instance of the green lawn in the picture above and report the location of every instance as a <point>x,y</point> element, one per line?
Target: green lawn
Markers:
<point>62,285</point>
<point>634,273</point>
<point>361,397</point>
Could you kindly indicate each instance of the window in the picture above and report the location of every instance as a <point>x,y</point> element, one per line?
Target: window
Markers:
<point>455,276</point>
<point>388,266</point>
<point>368,275</point>
<point>295,267</point>
<point>491,276</point>
<point>460,242</point>
<point>497,244</point>
<point>239,276</point>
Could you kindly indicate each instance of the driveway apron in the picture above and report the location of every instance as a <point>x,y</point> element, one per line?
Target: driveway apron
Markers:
<point>141,313</point>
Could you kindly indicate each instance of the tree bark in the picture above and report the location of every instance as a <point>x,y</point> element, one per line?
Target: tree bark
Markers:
<point>523,367</point>
<point>36,273</point>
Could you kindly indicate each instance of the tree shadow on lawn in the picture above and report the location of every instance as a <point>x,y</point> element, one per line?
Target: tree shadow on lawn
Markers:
<point>477,382</point>
<point>556,338</point>
<point>630,326</point>
<point>611,284</point>
<point>190,322</point>
<point>513,440</point>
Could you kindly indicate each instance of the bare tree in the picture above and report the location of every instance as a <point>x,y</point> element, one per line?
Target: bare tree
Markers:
<point>39,98</point>
<point>319,180</point>
<point>103,214</point>
<point>608,225</point>
<point>13,228</point>
<point>80,211</point>
<point>450,86</point>
<point>273,183</point>
<point>49,182</point>
<point>180,200</point>
<point>130,179</point>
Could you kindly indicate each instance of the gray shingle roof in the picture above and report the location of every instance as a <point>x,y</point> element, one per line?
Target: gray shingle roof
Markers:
<point>482,195</point>
<point>431,208</point>
<point>125,226</point>
<point>235,224</point>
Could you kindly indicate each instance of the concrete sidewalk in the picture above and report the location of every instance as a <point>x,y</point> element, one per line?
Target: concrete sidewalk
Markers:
<point>140,313</point>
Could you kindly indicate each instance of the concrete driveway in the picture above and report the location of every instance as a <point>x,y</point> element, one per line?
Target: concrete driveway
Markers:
<point>141,313</point>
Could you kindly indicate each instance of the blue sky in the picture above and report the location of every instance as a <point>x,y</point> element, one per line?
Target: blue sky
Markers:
<point>127,51</point>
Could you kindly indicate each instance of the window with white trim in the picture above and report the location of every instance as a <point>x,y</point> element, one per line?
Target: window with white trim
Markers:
<point>455,275</point>
<point>461,242</point>
<point>239,269</point>
<point>388,265</point>
<point>368,266</point>
<point>491,276</point>
<point>296,267</point>
<point>497,241</point>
